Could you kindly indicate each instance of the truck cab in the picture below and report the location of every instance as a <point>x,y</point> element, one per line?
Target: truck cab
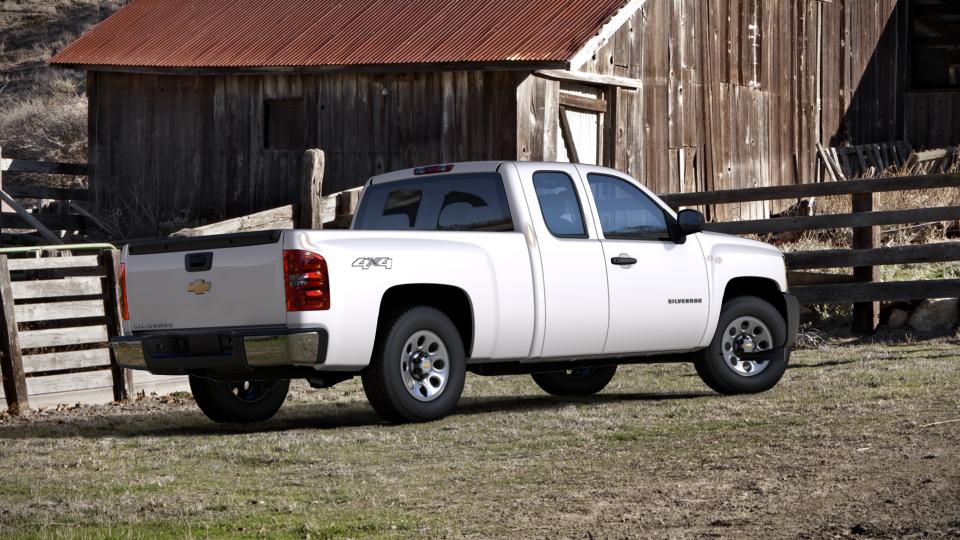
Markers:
<point>559,270</point>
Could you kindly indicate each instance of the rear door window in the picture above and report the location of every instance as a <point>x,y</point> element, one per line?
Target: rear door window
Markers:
<point>559,204</point>
<point>455,202</point>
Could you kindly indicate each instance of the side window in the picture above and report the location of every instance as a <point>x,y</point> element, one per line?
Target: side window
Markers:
<point>400,209</point>
<point>477,206</point>
<point>463,202</point>
<point>559,204</point>
<point>625,211</point>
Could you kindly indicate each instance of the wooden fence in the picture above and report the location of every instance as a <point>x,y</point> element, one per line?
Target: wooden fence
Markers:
<point>57,316</point>
<point>863,288</point>
<point>70,215</point>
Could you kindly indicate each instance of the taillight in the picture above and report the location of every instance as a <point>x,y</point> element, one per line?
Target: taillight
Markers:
<point>306,281</point>
<point>122,279</point>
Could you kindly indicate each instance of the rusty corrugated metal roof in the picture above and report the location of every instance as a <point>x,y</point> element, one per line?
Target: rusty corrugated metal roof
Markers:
<point>303,33</point>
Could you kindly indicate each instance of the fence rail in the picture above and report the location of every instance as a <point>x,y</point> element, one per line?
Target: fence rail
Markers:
<point>57,315</point>
<point>863,289</point>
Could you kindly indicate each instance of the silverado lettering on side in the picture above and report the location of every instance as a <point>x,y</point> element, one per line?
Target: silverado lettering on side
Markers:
<point>558,270</point>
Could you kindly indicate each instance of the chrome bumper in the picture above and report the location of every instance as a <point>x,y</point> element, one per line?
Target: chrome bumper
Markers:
<point>233,351</point>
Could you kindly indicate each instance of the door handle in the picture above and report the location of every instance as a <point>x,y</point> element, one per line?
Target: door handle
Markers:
<point>198,262</point>
<point>623,261</point>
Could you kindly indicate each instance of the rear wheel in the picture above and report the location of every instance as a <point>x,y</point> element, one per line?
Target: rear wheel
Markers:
<point>747,325</point>
<point>239,401</point>
<point>581,381</point>
<point>418,369</point>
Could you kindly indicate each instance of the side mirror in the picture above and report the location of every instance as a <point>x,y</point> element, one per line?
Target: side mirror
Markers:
<point>691,221</point>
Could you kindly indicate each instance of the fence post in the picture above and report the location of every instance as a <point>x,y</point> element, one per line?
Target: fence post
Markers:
<point>110,264</point>
<point>11,361</point>
<point>311,190</point>
<point>866,315</point>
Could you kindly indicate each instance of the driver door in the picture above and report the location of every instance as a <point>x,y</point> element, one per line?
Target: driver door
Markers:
<point>658,289</point>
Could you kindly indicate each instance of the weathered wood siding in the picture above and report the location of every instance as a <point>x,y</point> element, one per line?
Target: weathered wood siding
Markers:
<point>737,93</point>
<point>166,150</point>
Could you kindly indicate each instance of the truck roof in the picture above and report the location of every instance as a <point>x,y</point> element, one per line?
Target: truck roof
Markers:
<point>438,169</point>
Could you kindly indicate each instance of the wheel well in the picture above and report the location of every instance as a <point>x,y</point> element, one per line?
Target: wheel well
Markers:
<point>764,288</point>
<point>452,301</point>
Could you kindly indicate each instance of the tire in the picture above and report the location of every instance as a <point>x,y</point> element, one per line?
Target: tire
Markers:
<point>584,381</point>
<point>418,367</point>
<point>239,402</point>
<point>723,369</point>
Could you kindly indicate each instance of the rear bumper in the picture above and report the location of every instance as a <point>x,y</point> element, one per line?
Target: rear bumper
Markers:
<point>225,352</point>
<point>793,319</point>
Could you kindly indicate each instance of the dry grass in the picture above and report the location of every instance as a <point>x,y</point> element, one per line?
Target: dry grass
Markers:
<point>43,110</point>
<point>837,449</point>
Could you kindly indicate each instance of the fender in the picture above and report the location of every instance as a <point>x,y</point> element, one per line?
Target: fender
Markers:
<point>730,257</point>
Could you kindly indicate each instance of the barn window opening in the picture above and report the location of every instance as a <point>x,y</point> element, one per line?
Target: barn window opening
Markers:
<point>934,44</point>
<point>284,126</point>
<point>582,113</point>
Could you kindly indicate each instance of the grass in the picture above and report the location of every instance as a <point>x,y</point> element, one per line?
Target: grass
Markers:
<point>838,446</point>
<point>43,111</point>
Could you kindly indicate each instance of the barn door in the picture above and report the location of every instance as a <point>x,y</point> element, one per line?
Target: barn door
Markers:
<point>583,115</point>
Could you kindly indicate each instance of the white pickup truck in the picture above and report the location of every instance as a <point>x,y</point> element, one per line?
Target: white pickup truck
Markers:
<point>557,270</point>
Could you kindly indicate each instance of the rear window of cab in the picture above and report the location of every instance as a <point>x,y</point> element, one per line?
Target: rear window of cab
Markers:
<point>452,202</point>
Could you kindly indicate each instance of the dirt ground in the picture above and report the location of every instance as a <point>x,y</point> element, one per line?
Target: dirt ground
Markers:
<point>856,442</point>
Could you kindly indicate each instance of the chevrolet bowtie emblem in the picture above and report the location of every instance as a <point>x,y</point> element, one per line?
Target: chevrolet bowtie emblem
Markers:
<point>199,286</point>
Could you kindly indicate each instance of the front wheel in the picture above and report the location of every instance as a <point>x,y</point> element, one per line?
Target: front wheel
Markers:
<point>748,325</point>
<point>581,381</point>
<point>418,368</point>
<point>239,401</point>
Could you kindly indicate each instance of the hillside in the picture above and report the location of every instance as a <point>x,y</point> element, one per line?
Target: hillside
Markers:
<point>43,110</point>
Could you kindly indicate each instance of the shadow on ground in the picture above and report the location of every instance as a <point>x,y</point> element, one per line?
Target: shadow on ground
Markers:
<point>187,421</point>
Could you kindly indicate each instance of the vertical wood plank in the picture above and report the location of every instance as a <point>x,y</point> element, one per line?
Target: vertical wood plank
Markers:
<point>122,378</point>
<point>11,361</point>
<point>311,211</point>
<point>866,315</point>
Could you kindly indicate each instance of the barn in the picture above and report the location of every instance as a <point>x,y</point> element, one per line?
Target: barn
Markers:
<point>202,110</point>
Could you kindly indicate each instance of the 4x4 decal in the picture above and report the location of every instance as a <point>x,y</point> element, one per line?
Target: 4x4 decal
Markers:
<point>373,262</point>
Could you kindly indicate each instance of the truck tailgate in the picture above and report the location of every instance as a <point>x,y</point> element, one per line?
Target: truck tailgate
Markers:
<point>207,282</point>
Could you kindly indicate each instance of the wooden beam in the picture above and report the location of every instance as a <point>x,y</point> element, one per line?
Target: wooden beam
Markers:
<point>52,222</point>
<point>862,219</point>
<point>833,170</point>
<point>311,191</point>
<point>54,288</point>
<point>275,218</point>
<point>866,315</point>
<point>34,223</point>
<point>56,337</point>
<point>58,311</point>
<point>11,361</point>
<point>44,192</point>
<point>338,208</point>
<point>95,220</point>
<point>590,78</point>
<point>823,189</point>
<point>3,207</point>
<point>43,167</point>
<point>59,361</point>
<point>843,258</point>
<point>567,135</point>
<point>45,263</point>
<point>796,279</point>
<point>850,293</point>
<point>572,101</point>
<point>122,378</point>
